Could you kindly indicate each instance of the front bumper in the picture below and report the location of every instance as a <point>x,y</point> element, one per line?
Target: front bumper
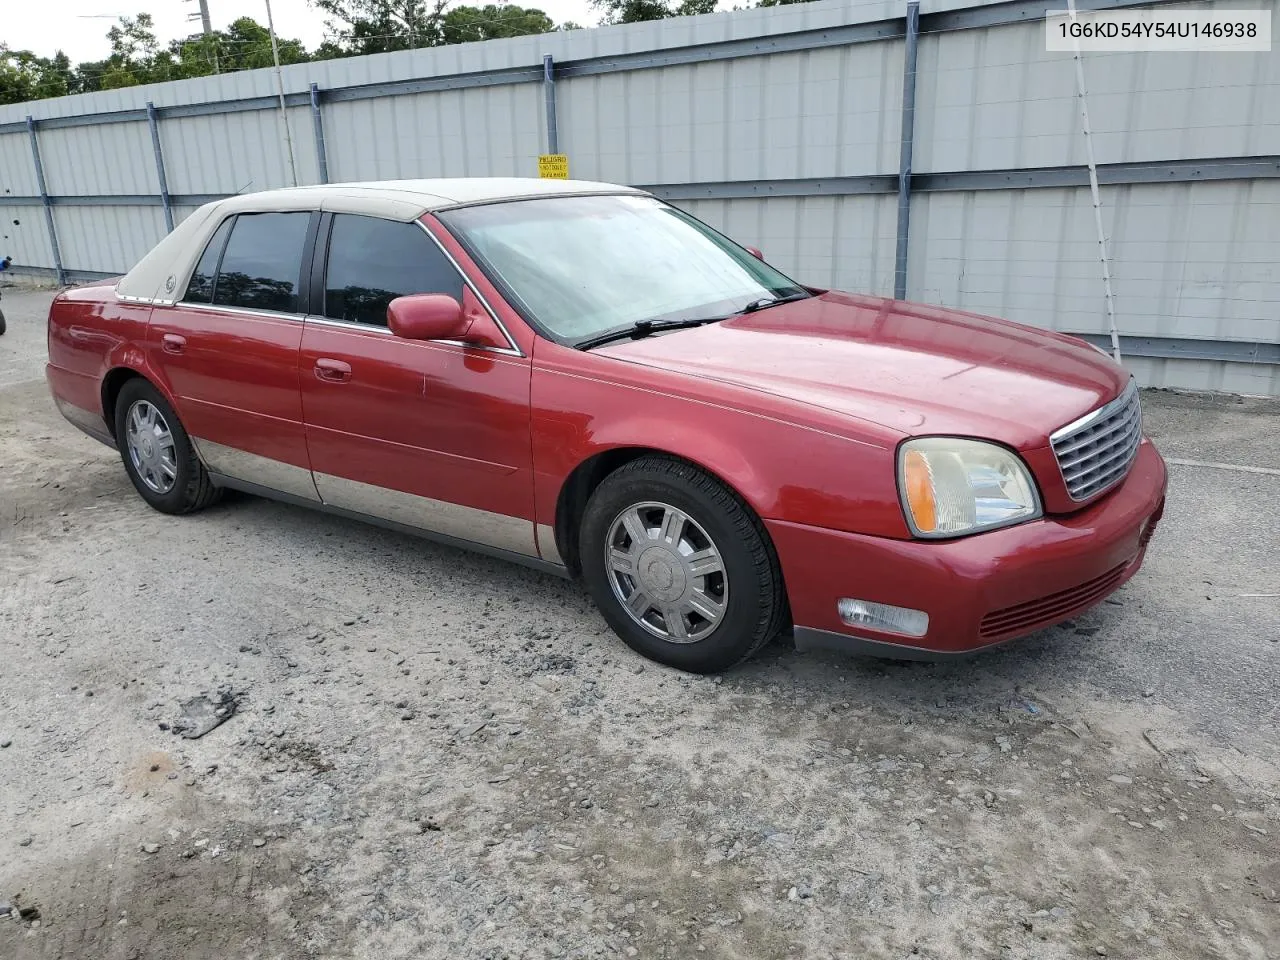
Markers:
<point>979,591</point>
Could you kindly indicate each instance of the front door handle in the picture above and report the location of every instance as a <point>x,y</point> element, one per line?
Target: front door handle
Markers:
<point>335,371</point>
<point>173,343</point>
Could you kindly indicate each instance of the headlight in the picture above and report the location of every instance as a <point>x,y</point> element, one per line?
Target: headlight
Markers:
<point>951,487</point>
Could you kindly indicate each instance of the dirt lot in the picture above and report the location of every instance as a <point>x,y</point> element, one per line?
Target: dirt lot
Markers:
<point>439,755</point>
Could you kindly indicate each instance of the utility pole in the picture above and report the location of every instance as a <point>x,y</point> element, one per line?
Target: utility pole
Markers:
<point>284,114</point>
<point>203,17</point>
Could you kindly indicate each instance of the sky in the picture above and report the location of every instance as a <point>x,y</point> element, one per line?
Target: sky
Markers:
<point>80,26</point>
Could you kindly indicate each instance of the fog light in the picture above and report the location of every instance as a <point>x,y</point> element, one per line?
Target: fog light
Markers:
<point>882,616</point>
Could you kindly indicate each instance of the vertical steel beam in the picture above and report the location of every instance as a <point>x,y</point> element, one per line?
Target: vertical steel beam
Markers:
<point>154,122</point>
<point>48,206</point>
<point>317,123</point>
<point>904,157</point>
<point>549,91</point>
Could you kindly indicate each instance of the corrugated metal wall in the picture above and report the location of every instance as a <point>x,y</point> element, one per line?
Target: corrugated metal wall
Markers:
<point>781,126</point>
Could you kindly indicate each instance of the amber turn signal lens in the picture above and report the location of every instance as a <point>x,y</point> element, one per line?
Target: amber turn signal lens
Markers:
<point>919,488</point>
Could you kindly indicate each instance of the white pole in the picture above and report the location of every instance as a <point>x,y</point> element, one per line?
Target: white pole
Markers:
<point>284,116</point>
<point>1093,188</point>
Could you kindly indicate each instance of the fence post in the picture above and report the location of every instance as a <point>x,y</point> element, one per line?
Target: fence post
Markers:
<point>904,159</point>
<point>549,91</point>
<point>154,122</point>
<point>317,124</point>
<point>48,205</point>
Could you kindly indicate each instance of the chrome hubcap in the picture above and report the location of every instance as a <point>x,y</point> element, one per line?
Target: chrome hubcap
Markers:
<point>150,445</point>
<point>667,572</point>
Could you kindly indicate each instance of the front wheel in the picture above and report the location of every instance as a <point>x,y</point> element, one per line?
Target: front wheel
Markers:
<point>680,567</point>
<point>158,454</point>
<point>1,321</point>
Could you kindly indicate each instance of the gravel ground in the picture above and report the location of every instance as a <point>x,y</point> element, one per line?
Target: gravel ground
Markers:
<point>440,755</point>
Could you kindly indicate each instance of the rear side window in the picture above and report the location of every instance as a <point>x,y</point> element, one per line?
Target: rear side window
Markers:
<point>262,264</point>
<point>200,287</point>
<point>373,261</point>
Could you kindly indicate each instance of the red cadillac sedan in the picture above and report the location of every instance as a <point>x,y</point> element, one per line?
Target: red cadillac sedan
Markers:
<point>580,377</point>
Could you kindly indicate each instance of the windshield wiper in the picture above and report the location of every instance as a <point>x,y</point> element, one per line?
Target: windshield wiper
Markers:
<point>765,302</point>
<point>642,328</point>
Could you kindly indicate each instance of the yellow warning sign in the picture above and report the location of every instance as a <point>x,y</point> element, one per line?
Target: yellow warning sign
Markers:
<point>554,166</point>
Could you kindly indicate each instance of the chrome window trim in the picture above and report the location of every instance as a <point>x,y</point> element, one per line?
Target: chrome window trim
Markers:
<point>493,314</point>
<point>242,311</point>
<point>384,332</point>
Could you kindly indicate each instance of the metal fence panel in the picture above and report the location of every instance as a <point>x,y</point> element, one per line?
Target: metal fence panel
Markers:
<point>110,159</point>
<point>236,152</point>
<point>782,127</point>
<point>24,235</point>
<point>1193,260</point>
<point>488,131</point>
<point>995,99</point>
<point>813,113</point>
<point>106,239</point>
<point>17,172</point>
<point>843,243</point>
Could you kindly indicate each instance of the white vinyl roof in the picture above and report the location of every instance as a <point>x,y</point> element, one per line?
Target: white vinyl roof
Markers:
<point>426,195</point>
<point>161,276</point>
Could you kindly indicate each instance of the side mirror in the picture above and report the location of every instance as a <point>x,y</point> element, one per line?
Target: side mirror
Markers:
<point>755,253</point>
<point>427,316</point>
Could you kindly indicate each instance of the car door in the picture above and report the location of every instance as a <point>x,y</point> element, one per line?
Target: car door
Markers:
<point>229,351</point>
<point>431,435</point>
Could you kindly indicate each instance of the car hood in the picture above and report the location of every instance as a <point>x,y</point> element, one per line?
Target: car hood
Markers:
<point>910,368</point>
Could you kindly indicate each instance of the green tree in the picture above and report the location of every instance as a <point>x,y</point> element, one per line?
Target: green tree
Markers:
<point>24,76</point>
<point>636,11</point>
<point>244,45</point>
<point>379,26</point>
<point>136,55</point>
<point>467,24</point>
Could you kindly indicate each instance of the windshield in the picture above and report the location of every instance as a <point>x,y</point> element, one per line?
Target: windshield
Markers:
<point>581,266</point>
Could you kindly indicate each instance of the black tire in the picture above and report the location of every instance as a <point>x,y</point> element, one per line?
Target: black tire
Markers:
<point>755,609</point>
<point>1,322</point>
<point>192,489</point>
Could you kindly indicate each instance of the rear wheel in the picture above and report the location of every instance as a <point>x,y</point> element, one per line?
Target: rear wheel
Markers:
<point>680,567</point>
<point>157,453</point>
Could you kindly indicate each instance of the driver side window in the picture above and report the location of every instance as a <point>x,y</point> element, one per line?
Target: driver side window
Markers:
<point>372,261</point>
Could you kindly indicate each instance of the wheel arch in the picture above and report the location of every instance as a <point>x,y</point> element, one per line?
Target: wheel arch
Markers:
<point>113,382</point>
<point>583,480</point>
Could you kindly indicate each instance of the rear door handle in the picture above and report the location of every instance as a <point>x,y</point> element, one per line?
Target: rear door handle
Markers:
<point>335,371</point>
<point>172,343</point>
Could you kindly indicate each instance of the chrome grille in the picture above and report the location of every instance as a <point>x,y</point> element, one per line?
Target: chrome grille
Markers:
<point>1096,451</point>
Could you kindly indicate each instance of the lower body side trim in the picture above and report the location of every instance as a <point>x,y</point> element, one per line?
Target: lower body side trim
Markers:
<point>252,468</point>
<point>388,524</point>
<point>455,520</point>
<point>85,420</point>
<point>547,544</point>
